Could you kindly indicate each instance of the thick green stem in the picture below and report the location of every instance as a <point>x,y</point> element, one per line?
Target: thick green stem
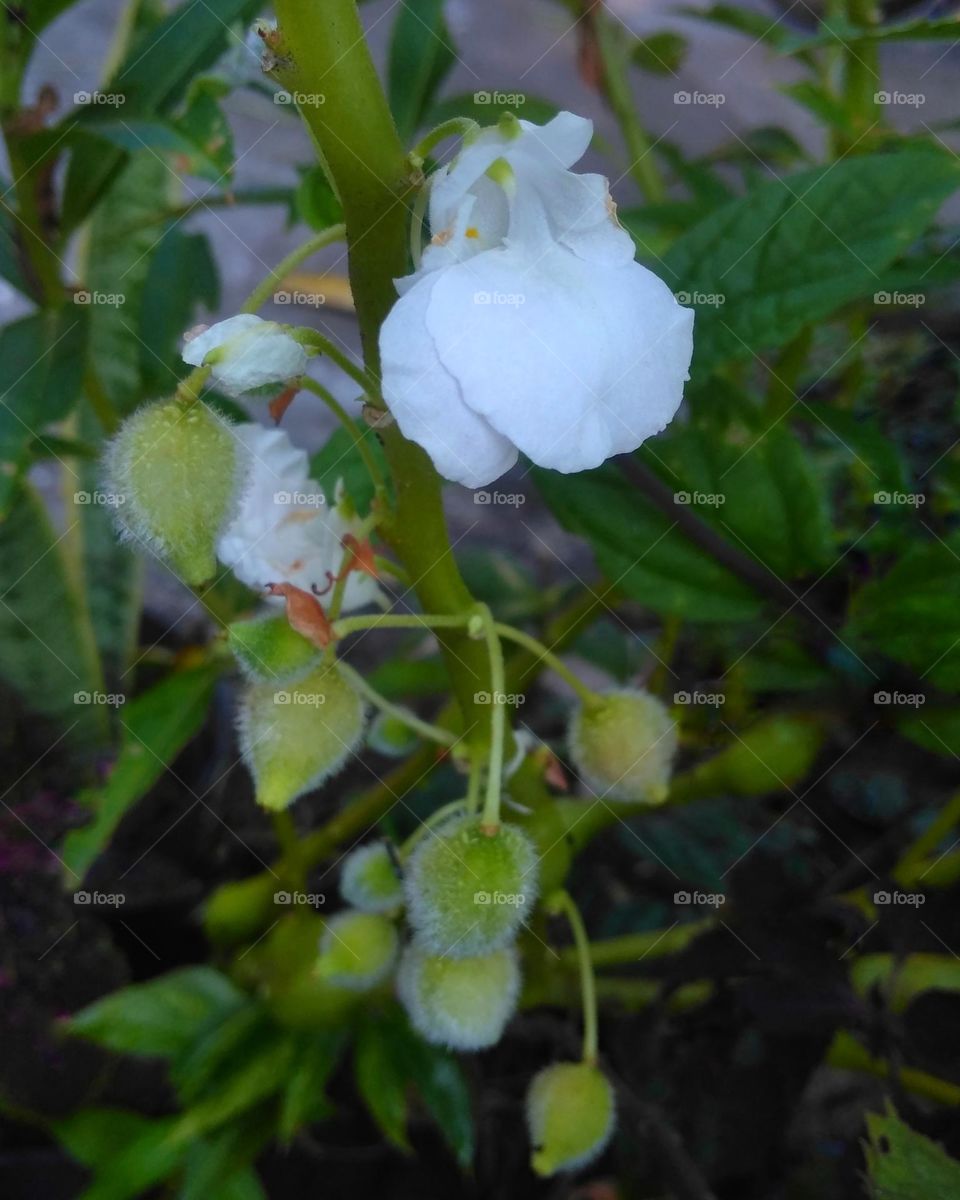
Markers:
<point>322,51</point>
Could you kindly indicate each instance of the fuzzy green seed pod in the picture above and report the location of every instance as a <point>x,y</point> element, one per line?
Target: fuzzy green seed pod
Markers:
<point>296,736</point>
<point>624,746</point>
<point>269,650</point>
<point>357,950</point>
<point>570,1116</point>
<point>369,879</point>
<point>180,471</point>
<point>468,891</point>
<point>460,1003</point>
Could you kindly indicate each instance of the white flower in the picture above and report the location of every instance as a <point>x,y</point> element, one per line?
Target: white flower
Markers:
<point>284,530</point>
<point>247,353</point>
<point>528,326</point>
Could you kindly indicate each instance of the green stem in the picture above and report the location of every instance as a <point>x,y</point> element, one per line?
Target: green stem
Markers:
<point>319,341</point>
<point>432,733</point>
<point>455,127</point>
<point>353,429</point>
<point>562,902</point>
<point>490,819</point>
<point>262,292</point>
<point>435,818</point>
<point>542,652</point>
<point>651,944</point>
<point>643,167</point>
<point>928,841</point>
<point>397,621</point>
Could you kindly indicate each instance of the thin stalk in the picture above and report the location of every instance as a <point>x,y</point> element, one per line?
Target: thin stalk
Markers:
<point>348,625</point>
<point>261,293</point>
<point>556,664</point>
<point>455,127</point>
<point>490,820</point>
<point>352,428</point>
<point>562,902</point>
<point>435,818</point>
<point>319,341</point>
<point>432,733</point>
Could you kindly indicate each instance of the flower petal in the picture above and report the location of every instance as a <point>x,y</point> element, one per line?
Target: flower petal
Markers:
<point>572,361</point>
<point>425,399</point>
<point>252,353</point>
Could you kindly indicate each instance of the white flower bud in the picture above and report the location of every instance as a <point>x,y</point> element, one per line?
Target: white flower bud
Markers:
<point>246,352</point>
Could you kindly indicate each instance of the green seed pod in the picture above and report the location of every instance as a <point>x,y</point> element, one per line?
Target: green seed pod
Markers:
<point>295,737</point>
<point>467,891</point>
<point>369,879</point>
<point>391,737</point>
<point>269,650</point>
<point>461,1003</point>
<point>624,746</point>
<point>241,910</point>
<point>357,950</point>
<point>179,470</point>
<point>570,1116</point>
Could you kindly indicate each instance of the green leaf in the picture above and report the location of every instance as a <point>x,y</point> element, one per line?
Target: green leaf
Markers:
<point>903,980</point>
<point>152,78</point>
<point>660,53</point>
<point>304,1100</point>
<point>791,253</point>
<point>162,1017</point>
<point>10,258</point>
<point>421,56</point>
<point>182,275</point>
<point>314,201</point>
<point>156,726</point>
<point>381,1082</point>
<point>437,1076</point>
<point>638,548</point>
<point>47,650</point>
<point>845,33</point>
<point>912,615</point>
<point>824,105</point>
<point>218,1167</point>
<point>41,374</point>
<point>123,236</point>
<point>128,1153</point>
<point>904,1165</point>
<point>340,459</point>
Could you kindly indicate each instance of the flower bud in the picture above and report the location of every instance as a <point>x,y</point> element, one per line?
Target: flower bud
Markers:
<point>624,746</point>
<point>246,352</point>
<point>357,950</point>
<point>369,880</point>
<point>241,910</point>
<point>468,891</point>
<point>295,736</point>
<point>570,1116</point>
<point>269,650</point>
<point>775,753</point>
<point>461,1003</point>
<point>179,470</point>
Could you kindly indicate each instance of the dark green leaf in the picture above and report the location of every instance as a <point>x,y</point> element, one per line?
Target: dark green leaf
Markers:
<point>904,1165</point>
<point>47,649</point>
<point>304,1100</point>
<point>421,56</point>
<point>182,275</point>
<point>381,1082</point>
<point>127,1153</point>
<point>315,202</point>
<point>156,726</point>
<point>791,253</point>
<point>838,32</point>
<point>340,459</point>
<point>660,53</point>
<point>41,374</point>
<point>162,1017</point>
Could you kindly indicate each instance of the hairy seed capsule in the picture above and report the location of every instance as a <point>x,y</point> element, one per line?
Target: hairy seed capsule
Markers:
<point>624,746</point>
<point>270,650</point>
<point>570,1116</point>
<point>179,471</point>
<point>468,892</point>
<point>357,950</point>
<point>369,879</point>
<point>461,1003</point>
<point>295,736</point>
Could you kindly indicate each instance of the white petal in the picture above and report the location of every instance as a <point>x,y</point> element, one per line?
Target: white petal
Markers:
<point>253,353</point>
<point>563,141</point>
<point>573,362</point>
<point>426,401</point>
